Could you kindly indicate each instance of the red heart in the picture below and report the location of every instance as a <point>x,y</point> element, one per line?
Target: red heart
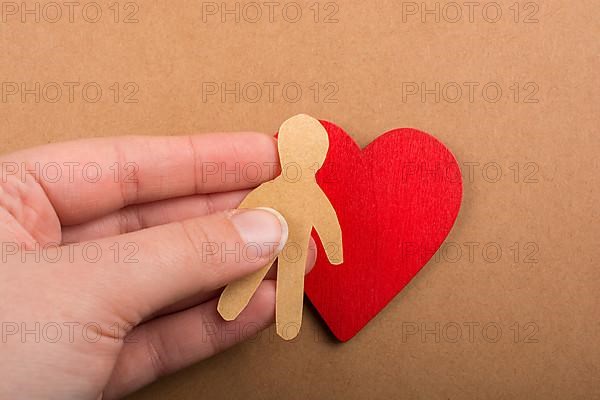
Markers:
<point>396,201</point>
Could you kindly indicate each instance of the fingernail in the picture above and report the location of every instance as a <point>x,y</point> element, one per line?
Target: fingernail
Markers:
<point>263,228</point>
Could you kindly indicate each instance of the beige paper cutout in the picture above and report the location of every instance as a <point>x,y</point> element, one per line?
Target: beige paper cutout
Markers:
<point>303,145</point>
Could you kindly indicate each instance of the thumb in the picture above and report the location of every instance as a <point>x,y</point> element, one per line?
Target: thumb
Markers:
<point>144,271</point>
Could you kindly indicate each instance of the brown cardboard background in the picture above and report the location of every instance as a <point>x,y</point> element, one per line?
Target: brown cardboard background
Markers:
<point>368,54</point>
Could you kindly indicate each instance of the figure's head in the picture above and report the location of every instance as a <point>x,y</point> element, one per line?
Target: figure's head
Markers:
<point>303,142</point>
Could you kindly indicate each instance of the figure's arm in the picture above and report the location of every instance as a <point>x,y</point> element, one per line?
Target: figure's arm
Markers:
<point>237,294</point>
<point>255,198</point>
<point>328,228</point>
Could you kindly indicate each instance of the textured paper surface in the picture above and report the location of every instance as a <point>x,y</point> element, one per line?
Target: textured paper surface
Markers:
<point>529,164</point>
<point>295,194</point>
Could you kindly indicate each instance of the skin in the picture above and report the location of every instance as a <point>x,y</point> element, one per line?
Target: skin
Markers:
<point>142,303</point>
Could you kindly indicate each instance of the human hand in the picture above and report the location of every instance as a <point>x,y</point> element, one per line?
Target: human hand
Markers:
<point>114,251</point>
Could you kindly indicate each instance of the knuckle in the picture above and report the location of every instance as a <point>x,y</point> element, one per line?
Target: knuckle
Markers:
<point>200,241</point>
<point>155,349</point>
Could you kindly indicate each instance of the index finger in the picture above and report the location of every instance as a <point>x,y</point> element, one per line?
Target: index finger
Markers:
<point>89,178</point>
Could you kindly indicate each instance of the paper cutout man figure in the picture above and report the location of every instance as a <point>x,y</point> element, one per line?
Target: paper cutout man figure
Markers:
<point>303,145</point>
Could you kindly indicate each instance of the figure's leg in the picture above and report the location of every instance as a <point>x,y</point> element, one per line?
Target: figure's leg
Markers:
<point>290,292</point>
<point>237,294</point>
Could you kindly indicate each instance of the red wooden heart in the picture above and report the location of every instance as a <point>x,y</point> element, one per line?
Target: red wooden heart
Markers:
<point>396,201</point>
